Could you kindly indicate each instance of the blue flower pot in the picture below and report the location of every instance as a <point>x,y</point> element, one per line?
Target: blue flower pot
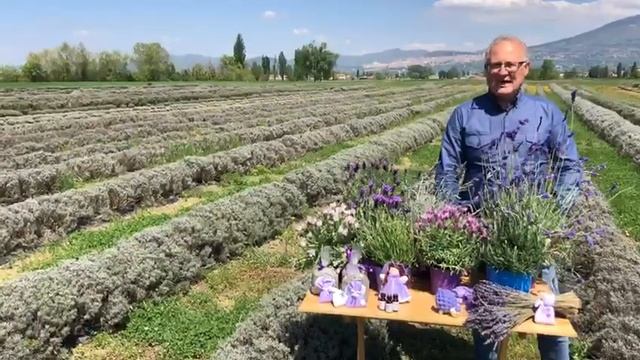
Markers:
<point>518,281</point>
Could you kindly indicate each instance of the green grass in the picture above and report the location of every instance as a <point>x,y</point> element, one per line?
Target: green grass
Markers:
<point>620,173</point>
<point>87,241</point>
<point>183,332</point>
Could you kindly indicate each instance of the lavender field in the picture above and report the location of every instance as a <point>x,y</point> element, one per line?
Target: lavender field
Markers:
<point>159,222</point>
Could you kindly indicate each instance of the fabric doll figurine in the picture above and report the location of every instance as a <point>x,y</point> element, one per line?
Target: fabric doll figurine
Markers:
<point>355,282</point>
<point>545,313</point>
<point>394,282</point>
<point>447,302</point>
<point>325,277</point>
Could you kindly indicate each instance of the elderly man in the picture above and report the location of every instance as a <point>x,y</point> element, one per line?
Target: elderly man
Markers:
<point>505,109</point>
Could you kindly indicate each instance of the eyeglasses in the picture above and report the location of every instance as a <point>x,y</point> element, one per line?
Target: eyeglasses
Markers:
<point>509,66</point>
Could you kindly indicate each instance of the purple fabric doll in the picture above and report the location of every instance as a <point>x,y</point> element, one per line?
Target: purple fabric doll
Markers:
<point>356,294</point>
<point>545,312</point>
<point>325,277</point>
<point>394,282</point>
<point>355,282</point>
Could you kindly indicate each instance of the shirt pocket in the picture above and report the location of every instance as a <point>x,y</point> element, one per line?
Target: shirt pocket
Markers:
<point>477,139</point>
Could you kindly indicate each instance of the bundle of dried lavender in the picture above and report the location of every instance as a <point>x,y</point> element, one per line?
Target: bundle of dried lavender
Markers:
<point>497,309</point>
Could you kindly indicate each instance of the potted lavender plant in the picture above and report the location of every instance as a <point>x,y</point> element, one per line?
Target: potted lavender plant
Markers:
<point>520,223</point>
<point>333,228</point>
<point>384,229</point>
<point>448,240</point>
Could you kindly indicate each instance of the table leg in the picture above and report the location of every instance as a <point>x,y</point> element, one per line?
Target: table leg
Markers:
<point>360,326</point>
<point>503,349</point>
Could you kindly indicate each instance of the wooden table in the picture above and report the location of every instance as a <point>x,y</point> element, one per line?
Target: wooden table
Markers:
<point>420,310</point>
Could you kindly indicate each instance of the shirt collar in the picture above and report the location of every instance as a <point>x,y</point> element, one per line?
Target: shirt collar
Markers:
<point>491,98</point>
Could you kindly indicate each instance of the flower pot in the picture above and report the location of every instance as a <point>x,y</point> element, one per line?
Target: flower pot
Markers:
<point>442,279</point>
<point>518,281</point>
<point>373,273</point>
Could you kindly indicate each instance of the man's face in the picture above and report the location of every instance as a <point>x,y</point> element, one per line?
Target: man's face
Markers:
<point>502,80</point>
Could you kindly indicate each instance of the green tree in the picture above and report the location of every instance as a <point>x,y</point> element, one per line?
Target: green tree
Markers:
<point>83,64</point>
<point>199,72</point>
<point>266,65</point>
<point>112,66</point>
<point>634,71</point>
<point>619,70</point>
<point>548,70</point>
<point>256,70</point>
<point>9,74</point>
<point>230,70</point>
<point>419,71</point>
<point>282,65</point>
<point>534,74</point>
<point>152,62</point>
<point>453,73</point>
<point>379,76</point>
<point>32,69</point>
<point>239,51</point>
<point>571,74</point>
<point>274,69</point>
<point>315,62</point>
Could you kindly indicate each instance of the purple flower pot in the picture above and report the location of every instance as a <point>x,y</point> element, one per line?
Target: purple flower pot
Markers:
<point>518,281</point>
<point>373,273</point>
<point>442,279</point>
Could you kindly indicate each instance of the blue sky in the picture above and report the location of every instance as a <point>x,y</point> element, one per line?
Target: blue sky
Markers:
<point>348,26</point>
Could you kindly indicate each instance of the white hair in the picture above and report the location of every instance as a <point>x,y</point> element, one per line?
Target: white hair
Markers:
<point>503,38</point>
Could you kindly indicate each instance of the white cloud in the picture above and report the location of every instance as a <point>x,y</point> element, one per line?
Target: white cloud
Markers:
<point>300,31</point>
<point>425,46</point>
<point>269,14</point>
<point>603,8</point>
<point>551,16</point>
<point>480,3</point>
<point>468,44</point>
<point>347,41</point>
<point>81,33</point>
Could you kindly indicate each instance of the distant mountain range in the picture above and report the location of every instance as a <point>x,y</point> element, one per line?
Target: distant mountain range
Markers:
<point>618,41</point>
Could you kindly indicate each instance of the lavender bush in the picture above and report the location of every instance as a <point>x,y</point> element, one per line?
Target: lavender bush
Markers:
<point>449,237</point>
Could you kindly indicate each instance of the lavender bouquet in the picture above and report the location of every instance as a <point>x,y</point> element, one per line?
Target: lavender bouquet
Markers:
<point>525,203</point>
<point>495,309</point>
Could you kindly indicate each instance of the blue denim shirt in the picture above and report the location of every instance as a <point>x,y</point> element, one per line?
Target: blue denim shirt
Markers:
<point>478,122</point>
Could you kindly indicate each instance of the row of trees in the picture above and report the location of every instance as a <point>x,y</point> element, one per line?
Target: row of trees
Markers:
<point>152,62</point>
<point>621,71</point>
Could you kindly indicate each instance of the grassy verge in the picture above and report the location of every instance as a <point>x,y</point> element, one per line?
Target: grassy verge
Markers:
<point>619,181</point>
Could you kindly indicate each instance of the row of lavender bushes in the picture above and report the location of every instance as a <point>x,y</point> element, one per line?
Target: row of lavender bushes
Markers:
<point>45,311</point>
<point>103,126</point>
<point>31,223</point>
<point>153,125</point>
<point>18,185</point>
<point>616,130</point>
<point>627,111</point>
<point>32,101</point>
